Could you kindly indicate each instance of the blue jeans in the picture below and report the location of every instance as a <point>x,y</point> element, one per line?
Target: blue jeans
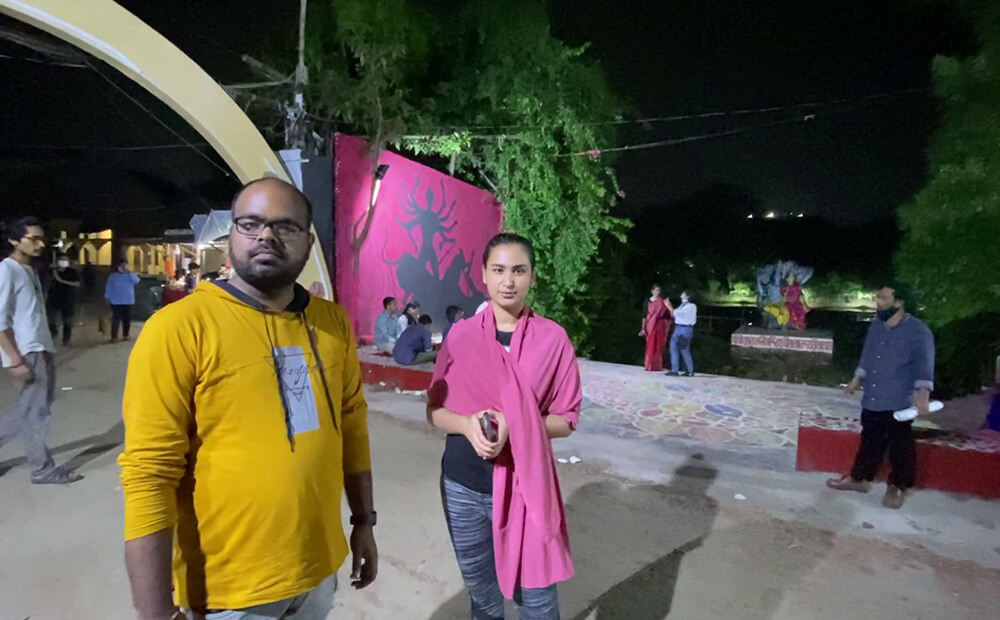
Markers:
<point>686,333</point>
<point>470,524</point>
<point>313,605</point>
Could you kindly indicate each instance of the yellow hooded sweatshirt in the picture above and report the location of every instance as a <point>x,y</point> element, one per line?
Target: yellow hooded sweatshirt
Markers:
<point>249,476</point>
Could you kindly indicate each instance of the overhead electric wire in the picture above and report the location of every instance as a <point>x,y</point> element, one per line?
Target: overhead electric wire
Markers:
<point>39,61</point>
<point>163,123</point>
<point>181,177</point>
<point>707,136</point>
<point>716,114</point>
<point>86,147</point>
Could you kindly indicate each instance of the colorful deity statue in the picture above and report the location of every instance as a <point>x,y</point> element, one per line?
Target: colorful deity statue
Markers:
<point>780,295</point>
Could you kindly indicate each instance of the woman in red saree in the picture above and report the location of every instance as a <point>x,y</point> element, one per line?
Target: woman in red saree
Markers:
<point>513,374</point>
<point>796,304</point>
<point>656,328</point>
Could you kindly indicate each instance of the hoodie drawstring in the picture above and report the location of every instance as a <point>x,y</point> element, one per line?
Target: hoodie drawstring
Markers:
<point>319,367</point>
<point>289,431</point>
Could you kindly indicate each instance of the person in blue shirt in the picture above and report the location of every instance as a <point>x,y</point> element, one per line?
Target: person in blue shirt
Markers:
<point>897,370</point>
<point>385,326</point>
<point>414,345</point>
<point>120,293</point>
<point>454,314</point>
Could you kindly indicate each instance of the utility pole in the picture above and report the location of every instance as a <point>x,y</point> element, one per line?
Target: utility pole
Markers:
<point>298,128</point>
<point>299,132</point>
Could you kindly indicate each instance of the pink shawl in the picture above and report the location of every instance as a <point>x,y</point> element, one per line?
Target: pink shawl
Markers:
<point>539,376</point>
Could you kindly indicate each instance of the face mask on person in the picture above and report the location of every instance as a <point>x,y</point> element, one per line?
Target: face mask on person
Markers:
<point>888,313</point>
<point>63,264</point>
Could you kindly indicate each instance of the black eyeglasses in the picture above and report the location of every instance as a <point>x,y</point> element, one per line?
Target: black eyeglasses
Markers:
<point>250,226</point>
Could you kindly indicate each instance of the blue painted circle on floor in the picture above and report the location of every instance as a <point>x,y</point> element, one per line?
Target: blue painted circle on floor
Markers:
<point>724,410</point>
<point>673,387</point>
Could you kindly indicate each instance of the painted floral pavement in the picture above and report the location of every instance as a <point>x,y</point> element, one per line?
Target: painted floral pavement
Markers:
<point>757,419</point>
<point>721,411</point>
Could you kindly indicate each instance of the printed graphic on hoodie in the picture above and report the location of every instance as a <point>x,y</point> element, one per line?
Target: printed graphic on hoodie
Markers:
<point>297,388</point>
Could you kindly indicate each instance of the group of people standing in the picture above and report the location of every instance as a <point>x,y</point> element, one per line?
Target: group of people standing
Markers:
<point>36,300</point>
<point>27,349</point>
<point>66,286</point>
<point>663,323</point>
<point>246,422</point>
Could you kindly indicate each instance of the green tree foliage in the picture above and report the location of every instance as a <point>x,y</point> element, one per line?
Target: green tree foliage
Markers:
<point>536,100</point>
<point>366,60</point>
<point>951,245</point>
<point>488,94</point>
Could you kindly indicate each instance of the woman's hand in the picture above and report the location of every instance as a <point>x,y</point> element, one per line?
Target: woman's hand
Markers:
<point>485,448</point>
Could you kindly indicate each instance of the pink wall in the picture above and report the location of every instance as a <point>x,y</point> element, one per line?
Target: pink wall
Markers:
<point>425,242</point>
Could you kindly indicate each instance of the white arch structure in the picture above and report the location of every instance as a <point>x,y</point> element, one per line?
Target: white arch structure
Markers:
<point>107,31</point>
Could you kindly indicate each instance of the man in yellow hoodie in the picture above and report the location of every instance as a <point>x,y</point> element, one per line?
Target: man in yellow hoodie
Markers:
<point>245,423</point>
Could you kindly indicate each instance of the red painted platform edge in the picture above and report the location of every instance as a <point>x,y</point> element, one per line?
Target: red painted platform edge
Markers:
<point>410,379</point>
<point>938,467</point>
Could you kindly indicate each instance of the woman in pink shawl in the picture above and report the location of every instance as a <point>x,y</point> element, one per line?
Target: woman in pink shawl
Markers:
<point>501,498</point>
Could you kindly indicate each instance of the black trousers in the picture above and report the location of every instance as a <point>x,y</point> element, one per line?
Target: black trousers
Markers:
<point>120,315</point>
<point>66,313</point>
<point>881,431</point>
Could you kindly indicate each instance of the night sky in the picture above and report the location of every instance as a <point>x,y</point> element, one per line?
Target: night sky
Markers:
<point>853,162</point>
<point>678,58</point>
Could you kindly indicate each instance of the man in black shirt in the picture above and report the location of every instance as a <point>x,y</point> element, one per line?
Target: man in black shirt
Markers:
<point>62,297</point>
<point>89,279</point>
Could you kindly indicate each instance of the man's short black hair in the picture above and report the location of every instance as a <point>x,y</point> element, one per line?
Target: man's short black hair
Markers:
<point>16,230</point>
<point>900,291</point>
<point>425,319</point>
<point>451,313</point>
<point>298,192</point>
<point>386,301</point>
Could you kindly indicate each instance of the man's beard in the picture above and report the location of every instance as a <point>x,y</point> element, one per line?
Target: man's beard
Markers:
<point>268,278</point>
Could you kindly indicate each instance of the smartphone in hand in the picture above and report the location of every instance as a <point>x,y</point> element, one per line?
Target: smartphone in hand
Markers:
<point>488,423</point>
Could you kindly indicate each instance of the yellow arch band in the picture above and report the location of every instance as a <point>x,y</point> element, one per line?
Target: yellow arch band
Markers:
<point>106,30</point>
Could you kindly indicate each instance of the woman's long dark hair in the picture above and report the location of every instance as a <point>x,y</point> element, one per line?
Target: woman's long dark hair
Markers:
<point>406,312</point>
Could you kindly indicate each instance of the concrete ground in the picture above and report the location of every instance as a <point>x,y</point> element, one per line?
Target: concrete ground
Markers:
<point>658,530</point>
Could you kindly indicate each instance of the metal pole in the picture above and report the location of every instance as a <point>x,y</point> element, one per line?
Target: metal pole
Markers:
<point>301,76</point>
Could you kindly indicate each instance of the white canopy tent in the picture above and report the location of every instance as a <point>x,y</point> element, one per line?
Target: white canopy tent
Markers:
<point>211,228</point>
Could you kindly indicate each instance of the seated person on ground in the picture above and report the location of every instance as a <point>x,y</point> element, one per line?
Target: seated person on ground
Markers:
<point>454,315</point>
<point>385,326</point>
<point>408,317</point>
<point>414,345</point>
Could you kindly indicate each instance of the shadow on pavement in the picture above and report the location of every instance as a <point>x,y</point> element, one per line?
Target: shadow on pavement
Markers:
<point>610,526</point>
<point>95,445</point>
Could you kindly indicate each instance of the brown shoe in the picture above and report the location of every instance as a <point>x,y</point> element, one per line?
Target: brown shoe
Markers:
<point>894,497</point>
<point>846,483</point>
